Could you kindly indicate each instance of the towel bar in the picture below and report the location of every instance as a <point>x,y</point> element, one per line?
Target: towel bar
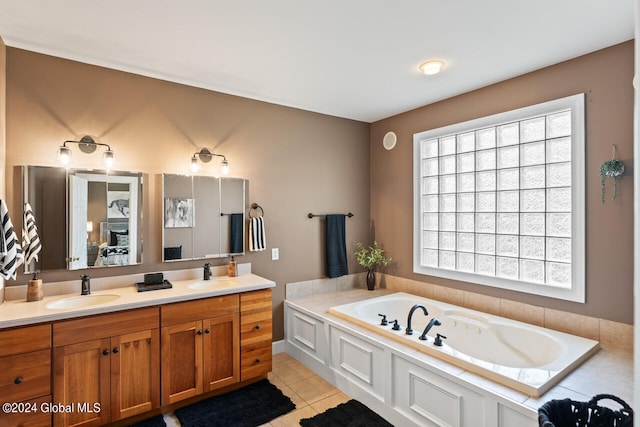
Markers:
<point>311,215</point>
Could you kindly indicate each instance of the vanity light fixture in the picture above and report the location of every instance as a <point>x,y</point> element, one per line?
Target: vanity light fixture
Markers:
<point>87,145</point>
<point>205,156</point>
<point>431,67</point>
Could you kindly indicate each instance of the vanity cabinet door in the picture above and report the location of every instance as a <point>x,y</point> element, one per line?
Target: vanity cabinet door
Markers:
<point>200,346</point>
<point>181,361</point>
<point>221,350</point>
<point>106,367</point>
<point>81,377</point>
<point>135,378</point>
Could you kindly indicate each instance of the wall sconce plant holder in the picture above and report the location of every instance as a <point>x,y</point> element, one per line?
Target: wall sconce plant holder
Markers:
<point>87,145</point>
<point>205,156</point>
<point>613,169</point>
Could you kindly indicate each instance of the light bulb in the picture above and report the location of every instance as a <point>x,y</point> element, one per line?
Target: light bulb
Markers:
<point>195,166</point>
<point>109,158</point>
<point>224,167</point>
<point>64,155</point>
<point>431,67</point>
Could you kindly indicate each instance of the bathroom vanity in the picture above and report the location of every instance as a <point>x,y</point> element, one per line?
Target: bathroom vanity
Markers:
<point>70,363</point>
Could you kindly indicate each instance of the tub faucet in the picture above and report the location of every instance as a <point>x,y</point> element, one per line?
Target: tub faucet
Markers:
<point>207,272</point>
<point>433,322</point>
<point>408,330</point>
<point>85,287</point>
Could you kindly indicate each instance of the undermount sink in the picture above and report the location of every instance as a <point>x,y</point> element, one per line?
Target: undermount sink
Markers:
<point>81,301</point>
<point>212,284</point>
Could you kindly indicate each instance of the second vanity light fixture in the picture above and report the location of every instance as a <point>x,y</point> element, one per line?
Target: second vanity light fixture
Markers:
<point>205,156</point>
<point>87,145</point>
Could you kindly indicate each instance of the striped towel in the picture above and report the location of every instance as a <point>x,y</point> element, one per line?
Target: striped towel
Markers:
<point>30,239</point>
<point>257,240</point>
<point>10,251</point>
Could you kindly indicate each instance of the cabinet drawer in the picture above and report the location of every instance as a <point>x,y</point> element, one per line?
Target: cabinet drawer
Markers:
<point>104,326</point>
<point>256,326</point>
<point>24,340</point>
<point>189,311</point>
<point>255,300</point>
<point>255,360</point>
<point>35,417</point>
<point>25,376</point>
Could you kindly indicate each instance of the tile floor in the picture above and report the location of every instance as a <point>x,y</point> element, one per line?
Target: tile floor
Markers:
<point>311,394</point>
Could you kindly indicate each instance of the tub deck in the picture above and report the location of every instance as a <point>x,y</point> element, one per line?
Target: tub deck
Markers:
<point>527,358</point>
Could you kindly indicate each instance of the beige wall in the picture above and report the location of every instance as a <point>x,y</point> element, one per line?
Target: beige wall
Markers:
<point>296,161</point>
<point>605,77</point>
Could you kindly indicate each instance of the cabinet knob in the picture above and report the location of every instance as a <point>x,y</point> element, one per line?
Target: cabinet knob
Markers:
<point>116,349</point>
<point>105,352</point>
<point>199,331</point>
<point>257,326</point>
<point>206,331</point>
<point>17,380</point>
<point>257,360</point>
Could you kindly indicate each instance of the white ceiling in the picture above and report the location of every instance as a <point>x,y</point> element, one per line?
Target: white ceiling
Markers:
<point>356,59</point>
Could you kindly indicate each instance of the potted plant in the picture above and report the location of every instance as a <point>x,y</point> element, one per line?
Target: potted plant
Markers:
<point>370,257</point>
<point>613,169</point>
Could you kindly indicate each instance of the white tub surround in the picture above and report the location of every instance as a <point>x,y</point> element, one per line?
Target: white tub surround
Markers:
<point>412,388</point>
<point>527,358</point>
<point>19,312</point>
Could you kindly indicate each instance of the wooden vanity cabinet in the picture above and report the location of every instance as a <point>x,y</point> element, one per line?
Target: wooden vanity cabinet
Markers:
<point>107,366</point>
<point>25,375</point>
<point>256,332</point>
<point>200,346</point>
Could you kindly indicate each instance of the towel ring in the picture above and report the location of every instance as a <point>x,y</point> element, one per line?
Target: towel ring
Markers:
<point>256,206</point>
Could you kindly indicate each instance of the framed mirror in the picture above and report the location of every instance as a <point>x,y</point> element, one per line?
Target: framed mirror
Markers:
<point>203,217</point>
<point>84,218</point>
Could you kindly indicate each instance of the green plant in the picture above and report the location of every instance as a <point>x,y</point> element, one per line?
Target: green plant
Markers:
<point>614,169</point>
<point>371,256</point>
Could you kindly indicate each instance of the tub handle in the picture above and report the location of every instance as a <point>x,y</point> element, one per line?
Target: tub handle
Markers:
<point>438,340</point>
<point>384,321</point>
<point>396,326</point>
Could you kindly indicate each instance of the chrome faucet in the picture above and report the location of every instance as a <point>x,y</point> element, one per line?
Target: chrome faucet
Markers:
<point>433,322</point>
<point>85,287</point>
<point>408,330</point>
<point>207,272</point>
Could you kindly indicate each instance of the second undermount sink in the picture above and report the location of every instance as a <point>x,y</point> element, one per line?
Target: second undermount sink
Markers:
<point>81,301</point>
<point>212,284</point>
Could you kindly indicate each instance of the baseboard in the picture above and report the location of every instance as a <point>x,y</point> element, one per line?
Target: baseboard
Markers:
<point>278,347</point>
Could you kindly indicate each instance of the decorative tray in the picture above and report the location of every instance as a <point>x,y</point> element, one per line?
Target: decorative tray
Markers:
<point>142,287</point>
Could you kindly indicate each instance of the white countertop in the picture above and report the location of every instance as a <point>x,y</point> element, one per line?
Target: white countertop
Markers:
<point>19,312</point>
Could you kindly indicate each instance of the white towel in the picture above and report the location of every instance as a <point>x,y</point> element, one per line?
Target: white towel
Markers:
<point>10,250</point>
<point>257,240</point>
<point>30,240</point>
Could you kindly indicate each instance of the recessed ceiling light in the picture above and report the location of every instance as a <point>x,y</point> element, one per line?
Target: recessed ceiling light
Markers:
<point>431,67</point>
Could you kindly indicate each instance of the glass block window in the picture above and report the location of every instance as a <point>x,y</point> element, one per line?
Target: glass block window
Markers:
<point>499,200</point>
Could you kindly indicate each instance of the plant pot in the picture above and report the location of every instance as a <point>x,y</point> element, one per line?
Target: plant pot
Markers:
<point>371,280</point>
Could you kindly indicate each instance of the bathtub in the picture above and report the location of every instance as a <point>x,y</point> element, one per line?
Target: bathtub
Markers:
<point>524,357</point>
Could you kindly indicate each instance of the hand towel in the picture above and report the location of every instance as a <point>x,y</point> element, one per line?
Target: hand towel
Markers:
<point>257,240</point>
<point>10,251</point>
<point>335,245</point>
<point>235,233</point>
<point>30,240</point>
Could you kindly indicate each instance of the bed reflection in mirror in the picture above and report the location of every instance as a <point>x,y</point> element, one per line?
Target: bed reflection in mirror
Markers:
<point>84,218</point>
